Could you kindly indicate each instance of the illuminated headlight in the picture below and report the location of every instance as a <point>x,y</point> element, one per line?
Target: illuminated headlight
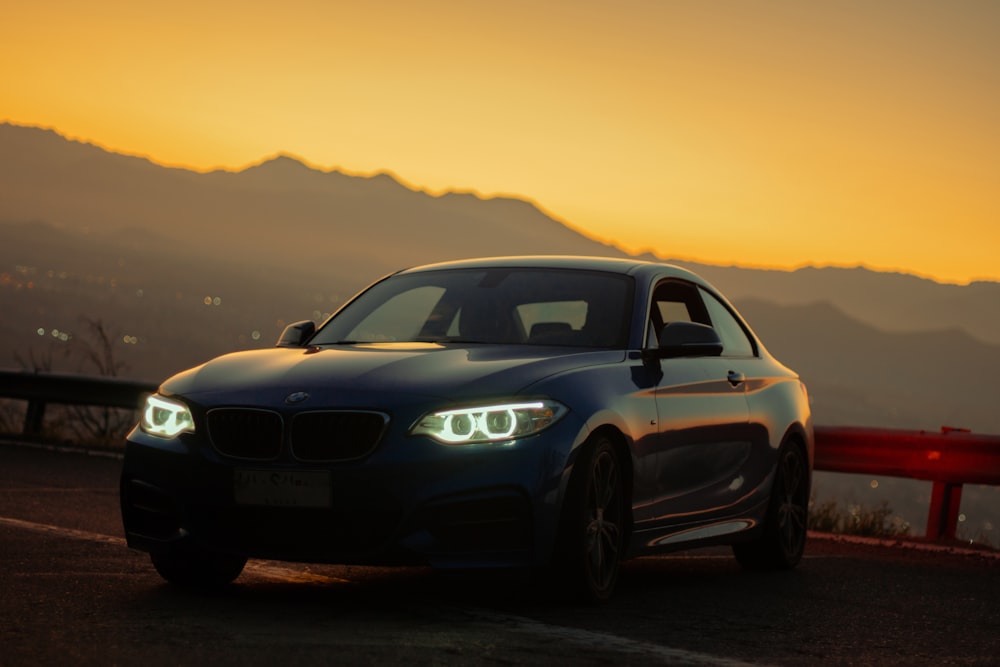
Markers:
<point>490,423</point>
<point>165,418</point>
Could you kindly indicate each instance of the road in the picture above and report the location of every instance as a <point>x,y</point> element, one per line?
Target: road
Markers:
<point>72,593</point>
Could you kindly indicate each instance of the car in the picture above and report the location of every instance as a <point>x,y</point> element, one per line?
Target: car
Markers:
<point>559,414</point>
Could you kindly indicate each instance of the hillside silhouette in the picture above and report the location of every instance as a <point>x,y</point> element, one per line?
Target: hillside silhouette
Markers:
<point>283,213</point>
<point>888,301</point>
<point>273,213</point>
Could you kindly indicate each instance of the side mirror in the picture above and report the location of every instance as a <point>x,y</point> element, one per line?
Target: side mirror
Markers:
<point>297,333</point>
<point>689,339</point>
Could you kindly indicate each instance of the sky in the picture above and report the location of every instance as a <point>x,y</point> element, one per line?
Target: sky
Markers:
<point>769,134</point>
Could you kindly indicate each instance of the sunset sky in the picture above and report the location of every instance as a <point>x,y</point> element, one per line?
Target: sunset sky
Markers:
<point>778,133</point>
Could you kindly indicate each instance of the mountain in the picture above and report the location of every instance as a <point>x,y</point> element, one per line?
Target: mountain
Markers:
<point>275,213</point>
<point>888,301</point>
<point>861,376</point>
<point>284,213</point>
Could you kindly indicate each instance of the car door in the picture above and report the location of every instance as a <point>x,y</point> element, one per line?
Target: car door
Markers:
<point>742,362</point>
<point>693,471</point>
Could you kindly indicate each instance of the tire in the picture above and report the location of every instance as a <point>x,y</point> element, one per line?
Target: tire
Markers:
<point>592,529</point>
<point>783,541</point>
<point>198,568</point>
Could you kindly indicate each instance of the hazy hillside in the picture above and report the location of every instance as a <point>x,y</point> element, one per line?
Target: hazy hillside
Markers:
<point>183,309</point>
<point>282,213</point>
<point>861,376</point>
<point>888,301</point>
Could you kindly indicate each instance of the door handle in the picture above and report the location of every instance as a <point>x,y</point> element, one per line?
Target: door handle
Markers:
<point>736,378</point>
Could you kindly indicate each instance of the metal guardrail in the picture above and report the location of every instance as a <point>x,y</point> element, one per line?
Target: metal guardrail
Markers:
<point>41,389</point>
<point>949,459</point>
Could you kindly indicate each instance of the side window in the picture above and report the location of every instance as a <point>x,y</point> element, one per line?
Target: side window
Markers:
<point>674,301</point>
<point>673,311</point>
<point>735,341</point>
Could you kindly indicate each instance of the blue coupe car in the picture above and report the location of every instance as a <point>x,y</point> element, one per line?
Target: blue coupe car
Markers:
<point>545,412</point>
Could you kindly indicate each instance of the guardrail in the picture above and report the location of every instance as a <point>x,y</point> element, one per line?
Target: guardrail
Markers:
<point>41,389</point>
<point>949,458</point>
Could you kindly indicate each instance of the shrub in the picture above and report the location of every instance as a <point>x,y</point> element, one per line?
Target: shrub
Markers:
<point>829,517</point>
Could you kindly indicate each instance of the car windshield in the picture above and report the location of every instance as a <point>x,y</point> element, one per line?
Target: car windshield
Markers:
<point>510,306</point>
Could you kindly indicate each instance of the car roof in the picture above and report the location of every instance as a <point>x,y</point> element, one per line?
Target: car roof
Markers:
<point>623,265</point>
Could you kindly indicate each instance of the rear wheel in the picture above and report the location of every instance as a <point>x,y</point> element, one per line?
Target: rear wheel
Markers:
<point>783,541</point>
<point>198,567</point>
<point>592,531</point>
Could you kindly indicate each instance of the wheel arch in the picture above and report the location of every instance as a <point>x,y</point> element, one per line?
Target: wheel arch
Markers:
<point>621,446</point>
<point>801,435</point>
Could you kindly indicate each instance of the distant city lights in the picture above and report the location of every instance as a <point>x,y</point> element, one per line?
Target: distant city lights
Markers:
<point>65,336</point>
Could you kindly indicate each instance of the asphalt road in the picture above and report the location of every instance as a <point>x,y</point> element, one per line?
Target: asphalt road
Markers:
<point>72,593</point>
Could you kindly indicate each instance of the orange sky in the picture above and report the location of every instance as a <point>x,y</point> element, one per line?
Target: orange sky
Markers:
<point>776,133</point>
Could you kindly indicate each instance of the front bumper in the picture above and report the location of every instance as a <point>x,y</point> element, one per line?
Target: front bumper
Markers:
<point>411,501</point>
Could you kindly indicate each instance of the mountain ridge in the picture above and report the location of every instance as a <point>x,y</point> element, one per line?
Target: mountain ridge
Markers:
<point>283,162</point>
<point>282,210</point>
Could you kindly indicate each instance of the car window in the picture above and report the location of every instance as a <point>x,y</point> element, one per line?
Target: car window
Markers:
<point>510,306</point>
<point>735,341</point>
<point>674,301</point>
<point>571,315</point>
<point>673,311</point>
<point>401,318</point>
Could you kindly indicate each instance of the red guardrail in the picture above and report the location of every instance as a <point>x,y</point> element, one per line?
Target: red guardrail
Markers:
<point>949,458</point>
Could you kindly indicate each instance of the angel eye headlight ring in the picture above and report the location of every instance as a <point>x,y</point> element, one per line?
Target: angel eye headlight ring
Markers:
<point>165,418</point>
<point>495,422</point>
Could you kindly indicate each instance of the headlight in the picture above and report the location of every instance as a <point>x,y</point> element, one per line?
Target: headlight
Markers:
<point>489,423</point>
<point>165,418</point>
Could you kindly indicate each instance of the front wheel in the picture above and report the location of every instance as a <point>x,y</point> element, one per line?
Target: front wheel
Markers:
<point>198,568</point>
<point>783,541</point>
<point>593,525</point>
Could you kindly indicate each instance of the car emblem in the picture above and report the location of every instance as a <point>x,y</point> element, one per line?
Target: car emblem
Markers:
<point>297,397</point>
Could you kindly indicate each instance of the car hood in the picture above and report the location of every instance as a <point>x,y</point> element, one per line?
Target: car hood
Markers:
<point>374,373</point>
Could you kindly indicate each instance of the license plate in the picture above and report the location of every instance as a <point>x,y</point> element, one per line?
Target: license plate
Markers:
<point>282,488</point>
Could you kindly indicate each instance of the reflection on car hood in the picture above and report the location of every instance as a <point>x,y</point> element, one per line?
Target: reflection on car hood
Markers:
<point>428,370</point>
